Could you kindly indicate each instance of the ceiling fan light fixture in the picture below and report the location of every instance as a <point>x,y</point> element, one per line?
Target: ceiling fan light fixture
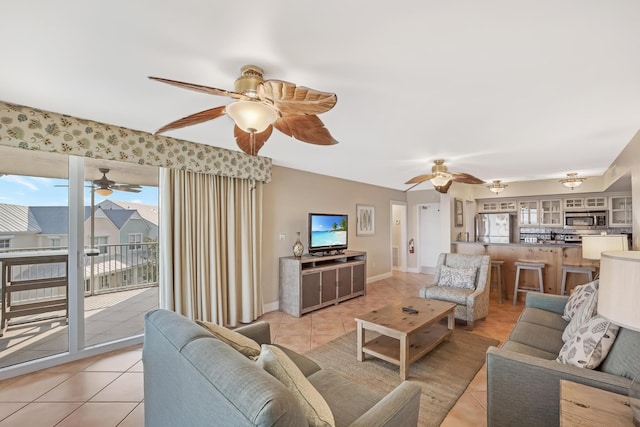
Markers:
<point>440,179</point>
<point>252,116</point>
<point>104,191</point>
<point>572,180</point>
<point>497,186</point>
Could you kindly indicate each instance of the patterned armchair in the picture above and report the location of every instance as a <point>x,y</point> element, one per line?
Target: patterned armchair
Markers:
<point>464,280</point>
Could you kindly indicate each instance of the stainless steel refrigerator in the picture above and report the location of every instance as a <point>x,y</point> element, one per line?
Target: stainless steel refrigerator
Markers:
<point>495,227</point>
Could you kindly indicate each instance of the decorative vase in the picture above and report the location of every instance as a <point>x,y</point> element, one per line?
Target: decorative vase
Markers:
<point>634,400</point>
<point>298,249</point>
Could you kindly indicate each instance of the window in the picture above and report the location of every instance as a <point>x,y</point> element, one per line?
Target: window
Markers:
<point>5,242</point>
<point>101,243</point>
<point>54,241</point>
<point>135,238</point>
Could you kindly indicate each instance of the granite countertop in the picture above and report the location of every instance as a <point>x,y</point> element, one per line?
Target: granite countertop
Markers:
<point>558,243</point>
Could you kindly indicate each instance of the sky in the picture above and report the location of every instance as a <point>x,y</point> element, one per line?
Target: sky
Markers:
<point>37,191</point>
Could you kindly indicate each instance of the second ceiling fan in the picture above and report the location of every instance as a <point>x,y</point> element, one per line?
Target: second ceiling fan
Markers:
<point>441,178</point>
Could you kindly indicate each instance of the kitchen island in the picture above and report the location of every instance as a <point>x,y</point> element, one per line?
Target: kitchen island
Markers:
<point>554,255</point>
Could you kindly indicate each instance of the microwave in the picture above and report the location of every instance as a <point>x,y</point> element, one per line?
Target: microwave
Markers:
<point>585,220</point>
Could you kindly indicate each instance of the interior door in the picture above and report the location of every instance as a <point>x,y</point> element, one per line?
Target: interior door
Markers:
<point>430,236</point>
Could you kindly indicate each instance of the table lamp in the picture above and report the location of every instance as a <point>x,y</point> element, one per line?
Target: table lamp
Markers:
<point>618,296</point>
<point>594,245</point>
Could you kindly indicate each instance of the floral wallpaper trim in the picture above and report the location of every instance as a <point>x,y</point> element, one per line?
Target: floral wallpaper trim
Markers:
<point>33,129</point>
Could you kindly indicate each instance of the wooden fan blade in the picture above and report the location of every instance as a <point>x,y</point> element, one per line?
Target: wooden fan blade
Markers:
<point>292,99</point>
<point>466,178</point>
<point>193,119</point>
<point>243,139</point>
<point>125,187</point>
<point>200,88</point>
<point>443,188</point>
<point>306,128</point>
<point>420,178</point>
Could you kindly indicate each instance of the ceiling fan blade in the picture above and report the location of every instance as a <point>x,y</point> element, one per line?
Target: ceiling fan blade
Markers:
<point>466,178</point>
<point>126,187</point>
<point>193,119</point>
<point>443,188</point>
<point>292,99</point>
<point>243,139</point>
<point>420,178</point>
<point>200,88</point>
<point>306,128</point>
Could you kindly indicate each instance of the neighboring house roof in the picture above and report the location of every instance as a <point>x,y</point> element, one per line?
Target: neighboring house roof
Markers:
<point>119,217</point>
<point>148,212</point>
<point>17,219</point>
<point>52,219</point>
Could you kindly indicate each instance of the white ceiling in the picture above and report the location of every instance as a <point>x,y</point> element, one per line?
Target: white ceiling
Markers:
<point>501,89</point>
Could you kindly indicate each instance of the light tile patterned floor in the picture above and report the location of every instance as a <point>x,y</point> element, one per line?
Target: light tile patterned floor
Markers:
<point>107,390</point>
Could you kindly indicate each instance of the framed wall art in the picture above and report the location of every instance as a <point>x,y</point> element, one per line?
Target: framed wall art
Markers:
<point>458,213</point>
<point>365,220</point>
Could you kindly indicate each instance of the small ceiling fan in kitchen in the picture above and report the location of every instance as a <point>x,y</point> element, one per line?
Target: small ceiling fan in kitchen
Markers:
<point>441,178</point>
<point>261,105</point>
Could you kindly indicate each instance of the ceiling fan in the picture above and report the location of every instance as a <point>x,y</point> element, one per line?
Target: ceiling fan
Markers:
<point>104,186</point>
<point>441,178</point>
<point>259,106</point>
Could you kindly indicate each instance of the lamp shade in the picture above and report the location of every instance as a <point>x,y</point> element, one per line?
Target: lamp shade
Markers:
<point>251,116</point>
<point>593,246</point>
<point>619,288</point>
<point>104,191</point>
<point>440,179</point>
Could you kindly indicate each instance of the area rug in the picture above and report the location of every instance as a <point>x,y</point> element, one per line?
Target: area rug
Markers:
<point>443,374</point>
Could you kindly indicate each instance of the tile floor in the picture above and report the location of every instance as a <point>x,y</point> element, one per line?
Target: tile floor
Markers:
<point>107,390</point>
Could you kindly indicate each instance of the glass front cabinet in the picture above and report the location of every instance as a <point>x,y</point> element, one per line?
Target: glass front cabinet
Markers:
<point>620,214</point>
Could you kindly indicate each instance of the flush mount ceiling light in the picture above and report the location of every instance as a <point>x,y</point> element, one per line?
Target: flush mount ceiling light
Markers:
<point>572,180</point>
<point>497,186</point>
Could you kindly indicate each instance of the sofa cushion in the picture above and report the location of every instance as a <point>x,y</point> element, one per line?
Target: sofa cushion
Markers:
<point>244,345</point>
<point>306,365</point>
<point>537,336</point>
<point>316,410</point>
<point>541,317</point>
<point>445,293</point>
<point>623,356</point>
<point>462,277</point>
<point>339,393</point>
<point>585,311</point>
<point>580,293</point>
<point>517,347</point>
<point>588,347</point>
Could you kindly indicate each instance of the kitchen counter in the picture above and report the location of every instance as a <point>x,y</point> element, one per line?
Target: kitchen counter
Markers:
<point>553,255</point>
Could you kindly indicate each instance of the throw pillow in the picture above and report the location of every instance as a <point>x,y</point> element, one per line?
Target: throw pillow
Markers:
<point>589,346</point>
<point>316,410</point>
<point>580,293</point>
<point>457,277</point>
<point>244,345</point>
<point>585,311</point>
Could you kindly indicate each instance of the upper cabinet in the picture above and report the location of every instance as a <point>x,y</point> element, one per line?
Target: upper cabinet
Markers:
<point>620,211</point>
<point>573,203</point>
<point>551,212</point>
<point>595,202</point>
<point>528,212</point>
<point>498,206</point>
<point>579,203</point>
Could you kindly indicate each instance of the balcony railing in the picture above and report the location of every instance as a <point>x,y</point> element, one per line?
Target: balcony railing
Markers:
<point>114,268</point>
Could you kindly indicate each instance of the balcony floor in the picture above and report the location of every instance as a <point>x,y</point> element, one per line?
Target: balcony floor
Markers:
<point>108,317</point>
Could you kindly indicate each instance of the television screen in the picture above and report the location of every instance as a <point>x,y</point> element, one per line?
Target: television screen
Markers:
<point>328,232</point>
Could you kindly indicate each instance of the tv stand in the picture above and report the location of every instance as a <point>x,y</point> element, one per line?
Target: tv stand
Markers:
<point>327,253</point>
<point>317,280</point>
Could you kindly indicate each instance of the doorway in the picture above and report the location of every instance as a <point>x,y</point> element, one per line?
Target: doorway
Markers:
<point>429,237</point>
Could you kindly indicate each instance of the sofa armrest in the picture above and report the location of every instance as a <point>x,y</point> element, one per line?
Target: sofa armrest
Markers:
<point>259,332</point>
<point>398,408</point>
<point>524,390</point>
<point>548,302</point>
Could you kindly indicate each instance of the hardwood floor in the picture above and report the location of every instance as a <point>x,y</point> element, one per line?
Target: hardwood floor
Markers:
<point>107,390</point>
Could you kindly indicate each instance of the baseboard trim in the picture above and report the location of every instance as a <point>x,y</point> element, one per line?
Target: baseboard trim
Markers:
<point>272,306</point>
<point>379,277</point>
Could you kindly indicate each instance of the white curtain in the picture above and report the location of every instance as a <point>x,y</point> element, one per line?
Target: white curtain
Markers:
<point>210,246</point>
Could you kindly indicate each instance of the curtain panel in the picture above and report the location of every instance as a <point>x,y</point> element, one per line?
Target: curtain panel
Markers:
<point>210,246</point>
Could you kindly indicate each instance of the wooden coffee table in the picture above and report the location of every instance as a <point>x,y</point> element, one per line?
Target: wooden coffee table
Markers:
<point>405,337</point>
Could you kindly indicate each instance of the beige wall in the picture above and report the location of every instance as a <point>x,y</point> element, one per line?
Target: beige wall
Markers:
<point>289,198</point>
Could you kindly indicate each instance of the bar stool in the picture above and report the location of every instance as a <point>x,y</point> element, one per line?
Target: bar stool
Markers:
<point>581,269</point>
<point>526,265</point>
<point>502,290</point>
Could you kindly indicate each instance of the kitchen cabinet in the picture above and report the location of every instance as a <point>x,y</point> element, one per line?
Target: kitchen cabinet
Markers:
<point>573,203</point>
<point>528,212</point>
<point>620,213</point>
<point>595,202</point>
<point>498,206</point>
<point>551,212</point>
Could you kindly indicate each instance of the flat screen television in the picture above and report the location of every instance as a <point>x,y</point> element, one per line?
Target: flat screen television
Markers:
<point>328,233</point>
